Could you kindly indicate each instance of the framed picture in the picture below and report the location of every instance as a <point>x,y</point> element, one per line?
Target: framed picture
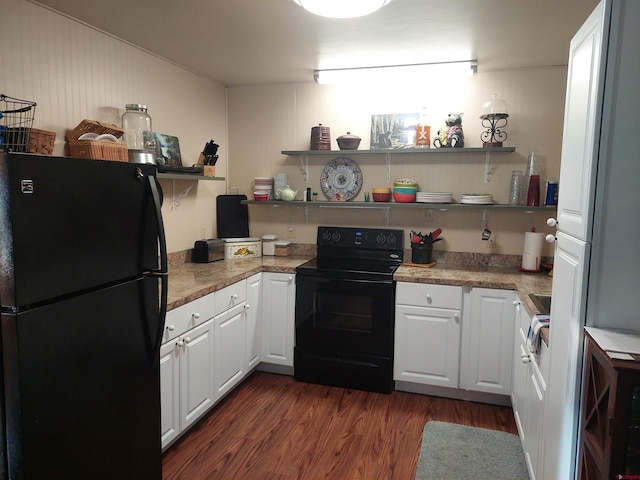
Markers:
<point>393,130</point>
<point>167,148</point>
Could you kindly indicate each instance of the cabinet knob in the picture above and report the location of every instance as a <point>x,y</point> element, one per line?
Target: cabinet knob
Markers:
<point>171,328</point>
<point>428,297</point>
<point>526,358</point>
<point>290,278</point>
<point>516,303</point>
<point>196,316</point>
<point>234,296</point>
<point>187,339</point>
<point>456,318</point>
<point>550,238</point>
<point>552,222</point>
<point>247,307</point>
<point>180,343</point>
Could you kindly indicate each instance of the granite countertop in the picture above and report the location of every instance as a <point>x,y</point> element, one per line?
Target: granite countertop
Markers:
<point>190,281</point>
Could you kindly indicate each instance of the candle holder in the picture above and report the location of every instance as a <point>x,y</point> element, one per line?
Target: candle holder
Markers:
<point>494,135</point>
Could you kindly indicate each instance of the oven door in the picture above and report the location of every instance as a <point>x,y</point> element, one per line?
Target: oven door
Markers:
<point>354,315</point>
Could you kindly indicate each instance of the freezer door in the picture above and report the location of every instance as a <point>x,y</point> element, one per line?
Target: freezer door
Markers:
<point>69,225</point>
<point>82,389</point>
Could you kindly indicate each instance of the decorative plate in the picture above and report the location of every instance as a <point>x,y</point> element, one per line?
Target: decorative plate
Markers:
<point>341,179</point>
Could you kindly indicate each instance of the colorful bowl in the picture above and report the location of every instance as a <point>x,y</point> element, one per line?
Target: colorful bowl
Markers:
<point>405,190</point>
<point>404,197</point>
<point>260,197</point>
<point>381,197</point>
<point>381,190</point>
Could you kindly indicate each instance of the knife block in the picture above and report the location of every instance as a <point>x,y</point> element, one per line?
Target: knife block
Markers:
<point>207,170</point>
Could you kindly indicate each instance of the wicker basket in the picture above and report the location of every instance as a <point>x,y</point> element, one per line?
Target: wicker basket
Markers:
<point>41,141</point>
<point>96,149</point>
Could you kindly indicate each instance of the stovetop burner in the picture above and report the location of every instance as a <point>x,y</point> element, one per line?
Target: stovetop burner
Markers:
<point>356,251</point>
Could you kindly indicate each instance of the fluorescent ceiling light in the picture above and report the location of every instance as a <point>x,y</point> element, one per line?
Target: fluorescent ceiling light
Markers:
<point>342,8</point>
<point>394,73</point>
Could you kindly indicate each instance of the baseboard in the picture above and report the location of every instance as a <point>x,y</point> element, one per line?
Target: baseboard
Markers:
<point>455,393</point>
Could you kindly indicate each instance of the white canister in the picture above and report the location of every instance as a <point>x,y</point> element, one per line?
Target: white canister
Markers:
<point>269,244</point>
<point>242,248</point>
<point>532,251</point>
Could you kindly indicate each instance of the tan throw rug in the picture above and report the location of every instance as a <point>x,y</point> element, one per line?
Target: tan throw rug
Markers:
<point>451,451</point>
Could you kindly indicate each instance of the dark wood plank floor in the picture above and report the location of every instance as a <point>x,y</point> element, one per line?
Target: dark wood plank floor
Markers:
<point>274,428</point>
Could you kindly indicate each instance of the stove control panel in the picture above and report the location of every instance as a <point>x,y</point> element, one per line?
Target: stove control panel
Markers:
<point>370,238</point>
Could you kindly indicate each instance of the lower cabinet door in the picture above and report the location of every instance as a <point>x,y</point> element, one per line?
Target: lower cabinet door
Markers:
<point>487,341</point>
<point>197,392</point>
<point>169,392</point>
<point>253,321</point>
<point>427,345</point>
<point>230,339</point>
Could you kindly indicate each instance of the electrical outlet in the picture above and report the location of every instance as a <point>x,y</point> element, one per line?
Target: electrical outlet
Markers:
<point>428,215</point>
<point>492,242</point>
<point>291,231</point>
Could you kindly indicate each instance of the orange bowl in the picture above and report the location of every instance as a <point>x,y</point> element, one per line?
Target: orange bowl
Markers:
<point>404,197</point>
<point>381,197</point>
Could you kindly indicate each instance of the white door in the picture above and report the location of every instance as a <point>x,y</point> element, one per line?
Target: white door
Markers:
<point>253,321</point>
<point>169,392</point>
<point>565,347</point>
<point>427,345</point>
<point>230,338</point>
<point>581,127</point>
<point>487,341</point>
<point>278,321</point>
<point>197,394</point>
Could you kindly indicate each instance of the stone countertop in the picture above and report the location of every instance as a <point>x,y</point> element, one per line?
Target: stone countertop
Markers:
<point>190,281</point>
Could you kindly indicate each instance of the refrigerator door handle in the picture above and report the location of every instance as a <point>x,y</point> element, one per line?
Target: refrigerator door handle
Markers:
<point>163,272</point>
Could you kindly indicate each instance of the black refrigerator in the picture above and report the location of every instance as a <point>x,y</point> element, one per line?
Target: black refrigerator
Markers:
<point>83,288</point>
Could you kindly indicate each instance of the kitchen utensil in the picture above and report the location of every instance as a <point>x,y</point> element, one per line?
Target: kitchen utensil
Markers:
<point>287,194</point>
<point>348,142</point>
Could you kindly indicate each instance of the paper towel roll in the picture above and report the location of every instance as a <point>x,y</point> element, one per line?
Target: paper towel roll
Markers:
<point>532,252</point>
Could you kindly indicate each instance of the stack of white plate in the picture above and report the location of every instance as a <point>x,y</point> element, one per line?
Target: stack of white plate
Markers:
<point>434,197</point>
<point>280,181</point>
<point>262,185</point>
<point>476,198</point>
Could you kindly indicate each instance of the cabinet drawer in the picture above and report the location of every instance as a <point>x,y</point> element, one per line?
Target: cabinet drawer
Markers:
<point>229,297</point>
<point>184,318</point>
<point>427,295</point>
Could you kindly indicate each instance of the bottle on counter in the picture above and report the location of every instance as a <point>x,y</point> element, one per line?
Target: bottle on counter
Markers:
<point>423,130</point>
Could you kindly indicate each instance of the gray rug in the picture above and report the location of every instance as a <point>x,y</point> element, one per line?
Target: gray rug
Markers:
<point>451,451</point>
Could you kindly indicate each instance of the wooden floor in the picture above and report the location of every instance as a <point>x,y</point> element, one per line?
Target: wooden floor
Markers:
<point>274,428</point>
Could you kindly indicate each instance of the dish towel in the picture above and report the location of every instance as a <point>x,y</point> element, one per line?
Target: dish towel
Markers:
<point>533,336</point>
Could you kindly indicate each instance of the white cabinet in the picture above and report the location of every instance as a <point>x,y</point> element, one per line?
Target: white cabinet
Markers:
<point>230,336</point>
<point>253,321</point>
<point>427,334</point>
<point>230,339</point>
<point>278,318</point>
<point>530,375</point>
<point>186,380</point>
<point>487,341</point>
<point>186,366</point>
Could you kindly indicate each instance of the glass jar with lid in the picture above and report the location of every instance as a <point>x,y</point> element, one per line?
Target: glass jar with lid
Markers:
<point>136,121</point>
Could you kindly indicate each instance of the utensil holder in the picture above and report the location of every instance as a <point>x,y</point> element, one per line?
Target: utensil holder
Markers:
<point>421,253</point>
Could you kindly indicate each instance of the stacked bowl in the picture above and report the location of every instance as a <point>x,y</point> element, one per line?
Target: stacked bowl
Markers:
<point>405,190</point>
<point>262,188</point>
<point>381,194</point>
<point>280,181</point>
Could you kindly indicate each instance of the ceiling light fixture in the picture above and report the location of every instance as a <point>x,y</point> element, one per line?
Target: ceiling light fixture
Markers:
<point>342,8</point>
<point>394,73</point>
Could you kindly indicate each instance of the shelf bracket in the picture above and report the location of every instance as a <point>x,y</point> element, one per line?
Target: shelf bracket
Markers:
<point>388,162</point>
<point>488,171</point>
<point>175,200</point>
<point>304,166</point>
